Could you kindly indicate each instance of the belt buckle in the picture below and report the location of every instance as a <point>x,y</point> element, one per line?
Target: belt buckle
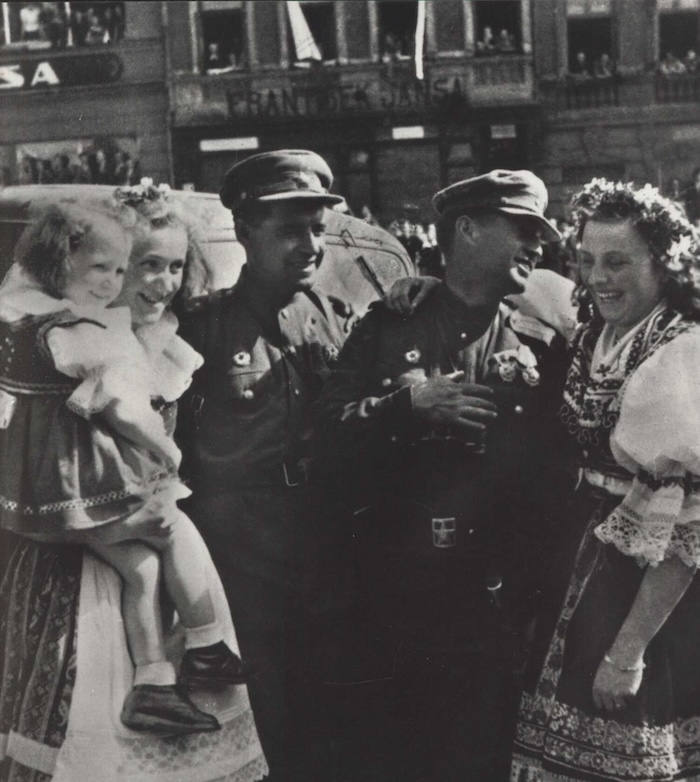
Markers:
<point>444,532</point>
<point>303,474</point>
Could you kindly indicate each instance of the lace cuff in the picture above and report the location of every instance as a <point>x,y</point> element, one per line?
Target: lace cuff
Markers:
<point>104,385</point>
<point>653,523</point>
<point>88,398</point>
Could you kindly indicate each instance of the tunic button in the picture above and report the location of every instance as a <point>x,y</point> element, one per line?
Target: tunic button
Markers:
<point>386,382</point>
<point>248,394</point>
<point>394,438</point>
<point>296,392</point>
<point>463,335</point>
<point>518,409</point>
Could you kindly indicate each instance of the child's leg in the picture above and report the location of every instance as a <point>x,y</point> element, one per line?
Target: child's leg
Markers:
<point>154,704</point>
<point>186,559</point>
<point>139,568</point>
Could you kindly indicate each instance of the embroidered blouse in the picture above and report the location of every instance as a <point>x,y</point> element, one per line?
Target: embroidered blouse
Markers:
<point>634,409</point>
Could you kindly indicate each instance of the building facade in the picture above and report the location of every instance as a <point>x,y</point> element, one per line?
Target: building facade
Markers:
<point>341,78</point>
<point>570,88</point>
<point>180,90</point>
<point>635,117</point>
<point>83,93</point>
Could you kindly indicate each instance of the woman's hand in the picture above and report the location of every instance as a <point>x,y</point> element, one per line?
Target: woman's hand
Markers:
<point>152,524</point>
<point>613,688</point>
<point>405,295</point>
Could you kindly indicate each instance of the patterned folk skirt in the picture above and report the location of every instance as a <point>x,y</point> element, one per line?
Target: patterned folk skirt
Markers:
<point>66,671</point>
<point>561,735</point>
<point>38,613</point>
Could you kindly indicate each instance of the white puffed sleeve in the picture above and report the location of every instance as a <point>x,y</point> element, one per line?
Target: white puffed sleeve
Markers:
<point>657,438</point>
<point>107,358</point>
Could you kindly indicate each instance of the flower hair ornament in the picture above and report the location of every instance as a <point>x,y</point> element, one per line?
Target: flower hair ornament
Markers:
<point>660,220</point>
<point>150,200</point>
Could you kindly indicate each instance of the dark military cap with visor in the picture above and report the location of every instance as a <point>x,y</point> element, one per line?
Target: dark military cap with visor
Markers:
<point>511,192</point>
<point>282,175</point>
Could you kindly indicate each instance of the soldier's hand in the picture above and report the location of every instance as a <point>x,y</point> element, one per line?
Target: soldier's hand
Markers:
<point>405,295</point>
<point>449,401</point>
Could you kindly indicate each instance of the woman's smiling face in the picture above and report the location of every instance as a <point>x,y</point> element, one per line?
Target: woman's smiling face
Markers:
<point>155,274</point>
<point>617,268</point>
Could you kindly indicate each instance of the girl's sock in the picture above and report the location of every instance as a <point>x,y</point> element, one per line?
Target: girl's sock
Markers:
<point>160,674</point>
<point>204,635</point>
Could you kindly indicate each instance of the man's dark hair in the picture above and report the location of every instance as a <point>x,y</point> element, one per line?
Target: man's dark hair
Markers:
<point>445,225</point>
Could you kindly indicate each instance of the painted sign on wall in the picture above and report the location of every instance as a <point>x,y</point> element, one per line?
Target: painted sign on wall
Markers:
<point>66,71</point>
<point>365,97</point>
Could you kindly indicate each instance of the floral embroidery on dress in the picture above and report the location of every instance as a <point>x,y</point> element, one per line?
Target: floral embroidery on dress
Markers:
<point>592,401</point>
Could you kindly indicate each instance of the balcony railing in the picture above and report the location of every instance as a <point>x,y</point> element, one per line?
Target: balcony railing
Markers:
<point>677,88</point>
<point>592,93</point>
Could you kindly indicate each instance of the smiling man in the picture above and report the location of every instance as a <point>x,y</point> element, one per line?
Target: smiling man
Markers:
<point>446,423</point>
<point>267,343</point>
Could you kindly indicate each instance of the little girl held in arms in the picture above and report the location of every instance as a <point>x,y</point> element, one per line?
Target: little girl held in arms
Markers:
<point>84,457</point>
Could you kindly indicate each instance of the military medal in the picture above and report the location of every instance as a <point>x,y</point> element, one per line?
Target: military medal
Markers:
<point>330,353</point>
<point>242,358</point>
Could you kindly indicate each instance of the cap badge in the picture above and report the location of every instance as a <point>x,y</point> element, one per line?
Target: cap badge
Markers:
<point>412,356</point>
<point>242,358</point>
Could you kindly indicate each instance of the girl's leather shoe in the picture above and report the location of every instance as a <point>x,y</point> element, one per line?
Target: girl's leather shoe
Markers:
<point>166,711</point>
<point>215,664</point>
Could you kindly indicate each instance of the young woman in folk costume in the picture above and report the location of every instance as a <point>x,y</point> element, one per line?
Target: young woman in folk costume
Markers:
<point>615,693</point>
<point>86,692</point>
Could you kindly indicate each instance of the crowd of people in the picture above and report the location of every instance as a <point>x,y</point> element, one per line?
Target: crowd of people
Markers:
<point>457,537</point>
<point>75,24</point>
<point>672,65</point>
<point>89,166</point>
<point>584,69</point>
<point>489,44</point>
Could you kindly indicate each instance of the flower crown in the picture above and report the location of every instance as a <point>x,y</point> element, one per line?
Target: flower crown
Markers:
<point>665,225</point>
<point>145,196</point>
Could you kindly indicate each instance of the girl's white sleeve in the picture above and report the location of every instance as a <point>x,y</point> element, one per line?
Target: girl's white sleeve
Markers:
<point>110,363</point>
<point>657,438</point>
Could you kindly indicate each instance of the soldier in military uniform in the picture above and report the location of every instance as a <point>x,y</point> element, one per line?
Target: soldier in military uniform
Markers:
<point>442,427</point>
<point>268,343</point>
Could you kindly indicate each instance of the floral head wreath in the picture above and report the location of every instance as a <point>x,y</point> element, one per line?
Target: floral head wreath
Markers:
<point>148,199</point>
<point>662,222</point>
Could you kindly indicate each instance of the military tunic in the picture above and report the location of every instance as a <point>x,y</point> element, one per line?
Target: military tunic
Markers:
<point>247,437</point>
<point>441,520</point>
<point>249,424</point>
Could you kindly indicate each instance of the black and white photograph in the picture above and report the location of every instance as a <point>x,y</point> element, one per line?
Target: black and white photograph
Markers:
<point>350,391</point>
